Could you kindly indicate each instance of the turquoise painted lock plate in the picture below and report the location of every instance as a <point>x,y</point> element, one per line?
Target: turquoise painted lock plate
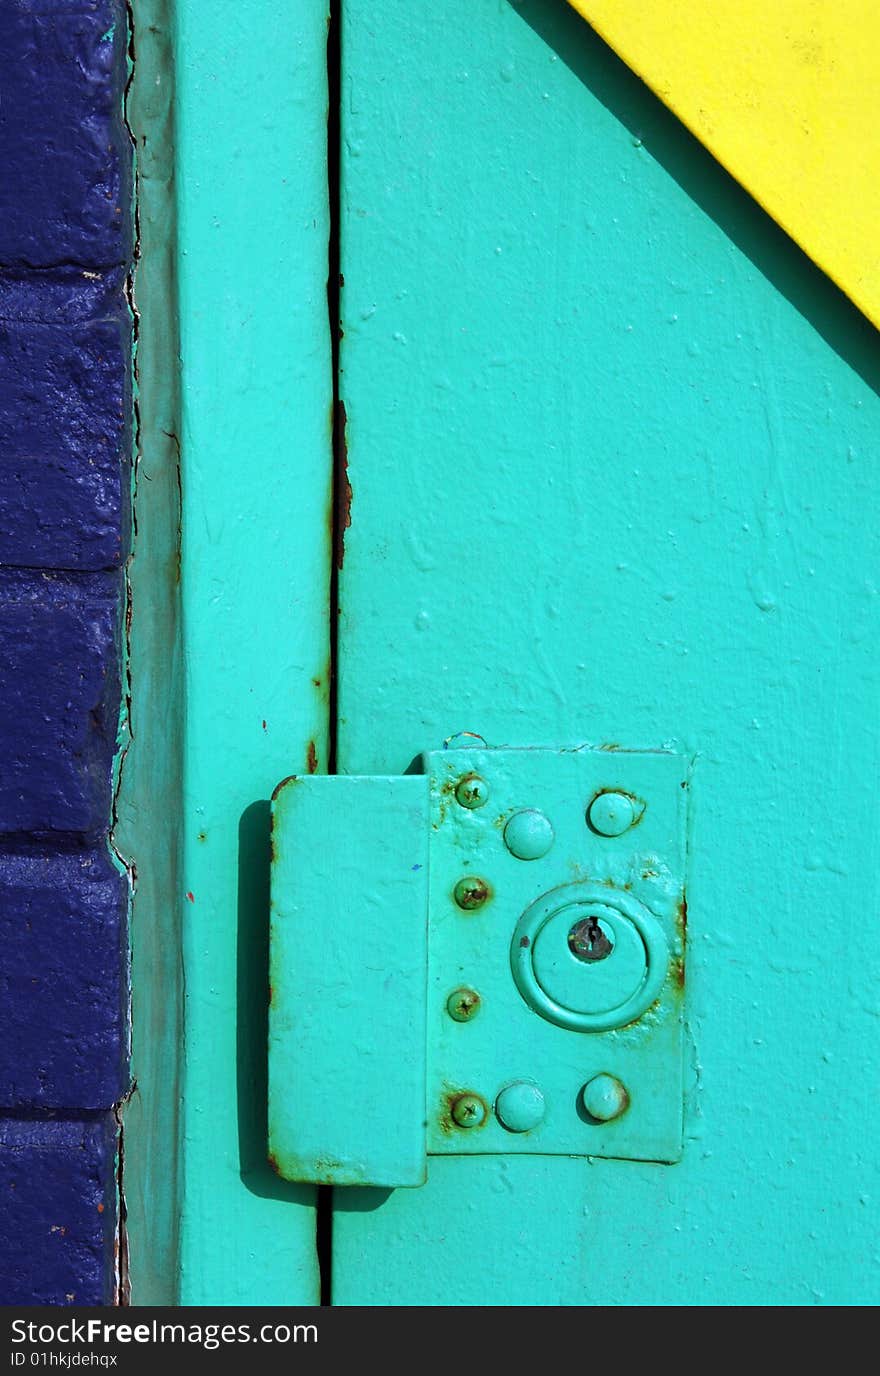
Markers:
<point>555,1009</point>
<point>486,958</point>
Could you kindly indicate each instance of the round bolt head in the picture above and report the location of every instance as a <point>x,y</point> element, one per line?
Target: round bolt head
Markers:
<point>472,792</point>
<point>463,1005</point>
<point>520,1107</point>
<point>611,814</point>
<point>471,892</point>
<point>528,834</point>
<point>604,1098</point>
<point>468,1110</point>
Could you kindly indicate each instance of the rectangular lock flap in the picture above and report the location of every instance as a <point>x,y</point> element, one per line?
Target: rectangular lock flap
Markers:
<point>348,980</point>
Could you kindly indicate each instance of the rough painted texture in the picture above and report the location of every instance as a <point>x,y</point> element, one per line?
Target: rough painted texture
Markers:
<point>59,690</point>
<point>57,1211</point>
<point>613,446</point>
<point>62,980</point>
<point>64,150</point>
<point>65,408</point>
<point>65,434</point>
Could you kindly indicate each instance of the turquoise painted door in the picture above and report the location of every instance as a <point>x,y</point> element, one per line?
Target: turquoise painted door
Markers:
<point>612,450</point>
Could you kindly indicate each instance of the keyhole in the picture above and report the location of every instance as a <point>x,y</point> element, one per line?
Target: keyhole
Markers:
<point>588,941</point>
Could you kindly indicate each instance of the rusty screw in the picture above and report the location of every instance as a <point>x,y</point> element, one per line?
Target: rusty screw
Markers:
<point>468,1110</point>
<point>463,1004</point>
<point>471,892</point>
<point>472,791</point>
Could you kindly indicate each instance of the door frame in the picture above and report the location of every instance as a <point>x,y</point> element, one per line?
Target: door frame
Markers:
<point>229,628</point>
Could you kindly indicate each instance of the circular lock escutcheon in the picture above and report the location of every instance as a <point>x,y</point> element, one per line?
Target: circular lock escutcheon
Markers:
<point>589,957</point>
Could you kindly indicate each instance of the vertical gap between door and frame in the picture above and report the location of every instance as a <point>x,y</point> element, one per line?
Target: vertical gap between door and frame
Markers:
<point>340,507</point>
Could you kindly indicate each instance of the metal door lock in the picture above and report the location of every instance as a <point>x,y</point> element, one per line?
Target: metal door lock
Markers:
<point>486,958</point>
<point>589,957</point>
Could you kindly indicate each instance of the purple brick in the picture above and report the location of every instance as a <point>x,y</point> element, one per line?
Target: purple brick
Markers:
<point>59,700</point>
<point>64,444</point>
<point>63,984</point>
<point>66,156</point>
<point>66,233</point>
<point>57,1211</point>
<point>59,296</point>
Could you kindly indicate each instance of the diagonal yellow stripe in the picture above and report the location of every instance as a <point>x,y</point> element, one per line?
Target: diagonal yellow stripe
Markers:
<point>785,95</point>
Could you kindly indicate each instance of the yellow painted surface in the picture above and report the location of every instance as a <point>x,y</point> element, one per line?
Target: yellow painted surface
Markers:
<point>785,95</point>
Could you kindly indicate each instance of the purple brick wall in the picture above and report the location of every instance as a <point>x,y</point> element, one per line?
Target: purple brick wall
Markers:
<point>65,447</point>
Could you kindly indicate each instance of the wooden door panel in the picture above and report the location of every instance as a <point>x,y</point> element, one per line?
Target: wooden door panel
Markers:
<point>612,454</point>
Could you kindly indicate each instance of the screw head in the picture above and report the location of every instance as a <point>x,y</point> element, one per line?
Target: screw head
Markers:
<point>604,1098</point>
<point>611,814</point>
<point>528,834</point>
<point>471,892</point>
<point>520,1107</point>
<point>463,1004</point>
<point>472,792</point>
<point>468,1110</point>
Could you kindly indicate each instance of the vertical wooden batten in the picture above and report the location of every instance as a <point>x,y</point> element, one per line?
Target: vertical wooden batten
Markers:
<point>230,639</point>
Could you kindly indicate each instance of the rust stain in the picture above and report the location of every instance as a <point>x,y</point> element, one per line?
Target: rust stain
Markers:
<point>190,896</point>
<point>273,1162</point>
<point>475,895</point>
<point>524,942</point>
<point>681,922</point>
<point>100,1208</point>
<point>327,1170</point>
<point>446,1122</point>
<point>461,790</point>
<point>264,723</point>
<point>467,1003</point>
<point>343,493</point>
<point>291,779</point>
<point>312,757</point>
<point>448,1101</point>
